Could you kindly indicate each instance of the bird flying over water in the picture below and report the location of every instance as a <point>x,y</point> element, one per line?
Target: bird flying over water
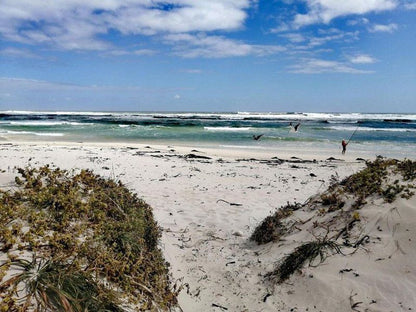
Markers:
<point>257,137</point>
<point>294,127</point>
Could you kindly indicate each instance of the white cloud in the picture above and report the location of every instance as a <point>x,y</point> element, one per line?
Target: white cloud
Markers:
<point>31,94</point>
<point>318,66</point>
<point>362,59</point>
<point>139,52</point>
<point>144,52</point>
<point>75,24</point>
<point>410,5</point>
<point>191,46</point>
<point>32,84</point>
<point>334,36</point>
<point>281,28</point>
<point>323,11</point>
<point>192,71</point>
<point>294,37</point>
<point>188,16</point>
<point>383,28</point>
<point>14,52</point>
<point>24,85</point>
<point>309,40</point>
<point>358,21</point>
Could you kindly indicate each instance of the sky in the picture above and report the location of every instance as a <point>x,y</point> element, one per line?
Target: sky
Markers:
<point>208,55</point>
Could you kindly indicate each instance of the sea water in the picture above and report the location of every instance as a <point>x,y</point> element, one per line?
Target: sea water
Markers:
<point>383,134</point>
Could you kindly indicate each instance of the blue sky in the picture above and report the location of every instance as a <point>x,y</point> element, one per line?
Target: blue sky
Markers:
<point>217,55</point>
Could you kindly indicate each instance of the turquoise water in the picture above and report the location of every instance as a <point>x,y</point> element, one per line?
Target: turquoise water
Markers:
<point>384,132</point>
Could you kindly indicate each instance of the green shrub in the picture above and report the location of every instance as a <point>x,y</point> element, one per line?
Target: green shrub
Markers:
<point>84,230</point>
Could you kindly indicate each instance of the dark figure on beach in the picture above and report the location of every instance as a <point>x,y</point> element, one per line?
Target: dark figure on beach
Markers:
<point>344,146</point>
<point>294,127</point>
<point>257,137</point>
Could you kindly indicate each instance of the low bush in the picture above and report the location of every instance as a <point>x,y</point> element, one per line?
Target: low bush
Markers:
<point>92,238</point>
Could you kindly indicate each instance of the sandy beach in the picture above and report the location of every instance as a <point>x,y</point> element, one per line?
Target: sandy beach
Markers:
<point>209,201</point>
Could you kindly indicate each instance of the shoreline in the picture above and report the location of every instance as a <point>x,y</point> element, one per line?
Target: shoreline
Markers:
<point>233,151</point>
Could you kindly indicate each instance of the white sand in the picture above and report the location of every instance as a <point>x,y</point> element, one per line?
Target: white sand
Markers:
<point>205,239</point>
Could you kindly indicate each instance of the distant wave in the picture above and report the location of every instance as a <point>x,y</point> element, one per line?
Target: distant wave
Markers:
<point>289,116</point>
<point>45,123</point>
<point>53,134</point>
<point>244,146</point>
<point>15,112</point>
<point>340,128</point>
<point>293,139</point>
<point>227,129</point>
<point>341,121</point>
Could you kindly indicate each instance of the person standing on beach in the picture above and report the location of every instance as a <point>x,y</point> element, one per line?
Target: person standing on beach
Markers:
<point>344,146</point>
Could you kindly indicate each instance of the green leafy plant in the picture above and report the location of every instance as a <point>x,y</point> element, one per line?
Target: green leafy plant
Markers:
<point>54,286</point>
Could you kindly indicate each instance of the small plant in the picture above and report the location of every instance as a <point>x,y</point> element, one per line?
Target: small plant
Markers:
<point>358,203</point>
<point>272,228</point>
<point>306,252</point>
<point>369,180</point>
<point>407,169</point>
<point>54,286</point>
<point>391,191</point>
<point>333,200</point>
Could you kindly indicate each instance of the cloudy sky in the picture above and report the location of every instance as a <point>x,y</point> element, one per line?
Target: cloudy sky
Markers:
<point>216,55</point>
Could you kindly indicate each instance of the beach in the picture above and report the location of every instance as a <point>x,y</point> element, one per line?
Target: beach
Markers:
<point>208,202</point>
<point>208,156</point>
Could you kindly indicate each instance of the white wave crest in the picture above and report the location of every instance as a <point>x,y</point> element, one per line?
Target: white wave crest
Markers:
<point>53,134</point>
<point>224,129</point>
<point>340,128</point>
<point>232,115</point>
<point>45,123</point>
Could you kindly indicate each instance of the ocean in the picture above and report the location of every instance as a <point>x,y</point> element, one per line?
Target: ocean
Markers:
<point>384,134</point>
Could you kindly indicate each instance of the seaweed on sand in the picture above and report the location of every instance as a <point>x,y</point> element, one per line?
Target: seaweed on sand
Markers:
<point>306,252</point>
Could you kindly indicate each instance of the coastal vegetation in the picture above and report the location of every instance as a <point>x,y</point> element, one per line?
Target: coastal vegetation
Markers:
<point>79,242</point>
<point>334,213</point>
<point>272,227</point>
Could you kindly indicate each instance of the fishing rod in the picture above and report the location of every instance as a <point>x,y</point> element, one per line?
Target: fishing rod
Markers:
<point>352,134</point>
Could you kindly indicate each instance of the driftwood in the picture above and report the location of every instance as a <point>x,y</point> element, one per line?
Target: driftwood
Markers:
<point>193,156</point>
<point>219,306</point>
<point>231,204</point>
